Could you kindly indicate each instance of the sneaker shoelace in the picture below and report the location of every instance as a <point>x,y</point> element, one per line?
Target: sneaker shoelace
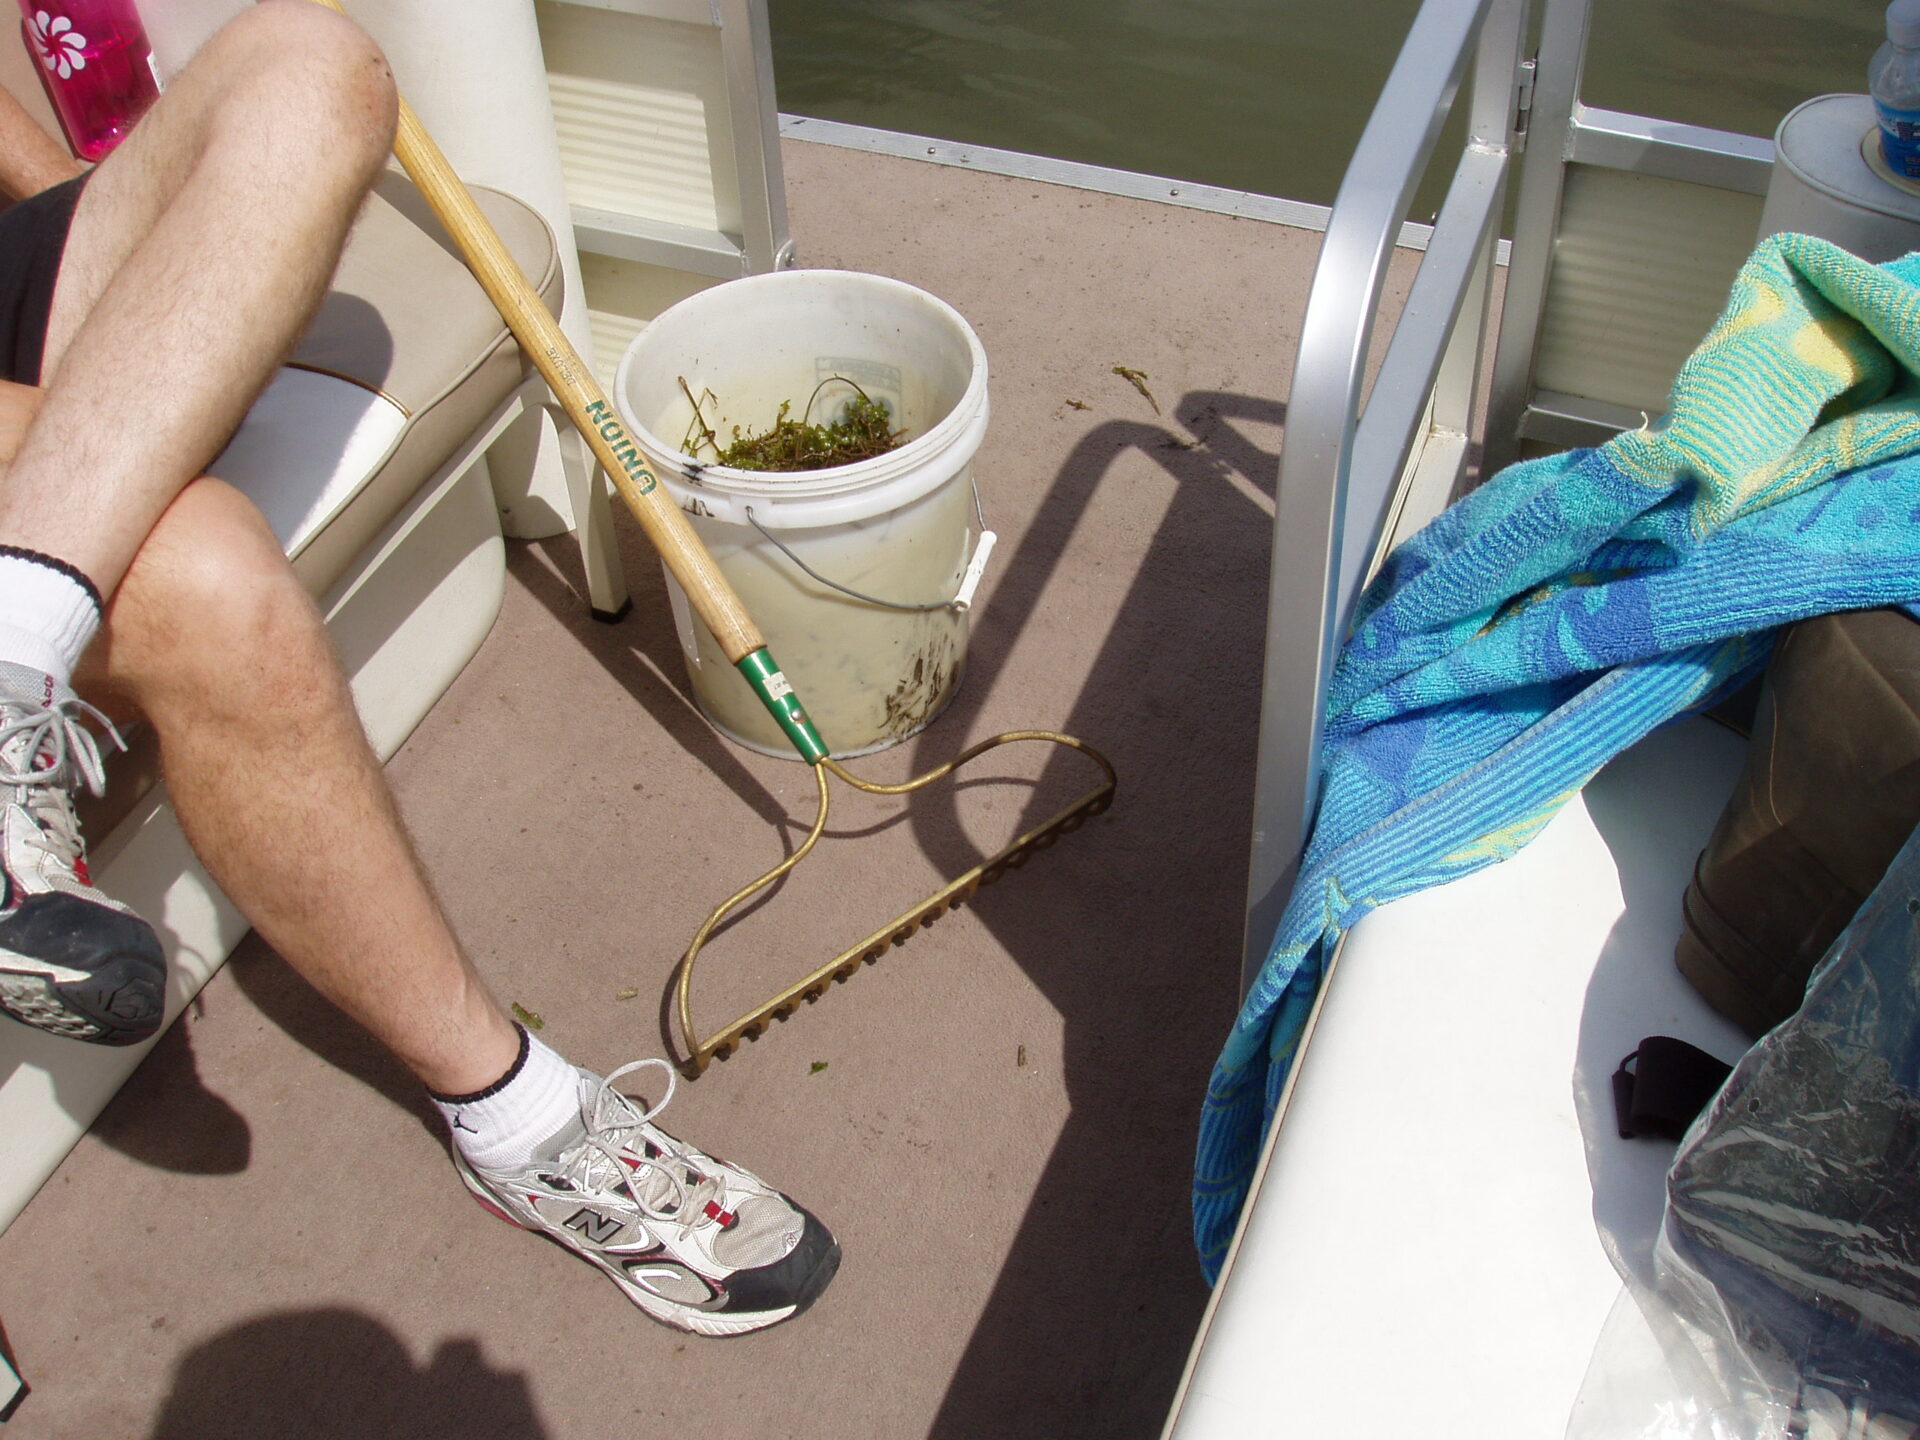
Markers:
<point>43,750</point>
<point>664,1184</point>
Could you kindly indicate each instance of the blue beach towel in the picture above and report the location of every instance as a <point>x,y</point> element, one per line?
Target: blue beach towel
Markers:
<point>1574,603</point>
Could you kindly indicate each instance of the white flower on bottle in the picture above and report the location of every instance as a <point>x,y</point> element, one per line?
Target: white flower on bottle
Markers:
<point>61,48</point>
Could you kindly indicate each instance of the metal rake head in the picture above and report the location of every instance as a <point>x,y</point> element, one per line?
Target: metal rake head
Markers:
<point>897,931</point>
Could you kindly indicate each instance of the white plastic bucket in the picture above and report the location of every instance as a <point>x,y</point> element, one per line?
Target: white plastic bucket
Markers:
<point>899,528</point>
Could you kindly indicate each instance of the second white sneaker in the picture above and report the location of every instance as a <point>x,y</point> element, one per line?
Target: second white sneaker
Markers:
<point>697,1243</point>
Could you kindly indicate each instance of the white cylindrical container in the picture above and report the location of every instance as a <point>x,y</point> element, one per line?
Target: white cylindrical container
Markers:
<point>899,529</point>
<point>1831,180</point>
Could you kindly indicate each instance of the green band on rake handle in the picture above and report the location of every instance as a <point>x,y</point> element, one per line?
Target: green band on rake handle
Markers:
<point>776,693</point>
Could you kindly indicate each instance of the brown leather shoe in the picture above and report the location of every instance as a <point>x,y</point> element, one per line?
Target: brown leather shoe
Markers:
<point>1830,792</point>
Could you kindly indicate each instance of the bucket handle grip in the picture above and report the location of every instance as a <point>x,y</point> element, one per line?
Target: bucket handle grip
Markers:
<point>962,600</point>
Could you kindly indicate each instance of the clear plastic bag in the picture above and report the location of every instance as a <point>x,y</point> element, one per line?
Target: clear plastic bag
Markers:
<point>1789,1260</point>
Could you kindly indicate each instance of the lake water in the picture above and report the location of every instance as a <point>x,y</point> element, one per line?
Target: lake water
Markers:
<point>1262,95</point>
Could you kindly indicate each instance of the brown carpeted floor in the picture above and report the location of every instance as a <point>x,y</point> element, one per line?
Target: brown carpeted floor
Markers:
<point>262,1236</point>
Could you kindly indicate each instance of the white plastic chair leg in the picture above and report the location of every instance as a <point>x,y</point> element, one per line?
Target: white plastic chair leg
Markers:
<point>593,525</point>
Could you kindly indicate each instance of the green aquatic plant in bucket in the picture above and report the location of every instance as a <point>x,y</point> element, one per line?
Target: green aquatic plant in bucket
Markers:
<point>864,430</point>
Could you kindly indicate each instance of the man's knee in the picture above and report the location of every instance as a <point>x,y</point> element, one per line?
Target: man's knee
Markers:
<point>218,559</point>
<point>321,70</point>
<point>210,599</point>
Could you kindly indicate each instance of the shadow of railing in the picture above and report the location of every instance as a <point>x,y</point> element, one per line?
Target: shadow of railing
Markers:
<point>1130,930</point>
<point>1134,938</point>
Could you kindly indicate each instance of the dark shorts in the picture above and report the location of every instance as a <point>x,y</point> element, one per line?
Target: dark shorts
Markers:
<point>33,235</point>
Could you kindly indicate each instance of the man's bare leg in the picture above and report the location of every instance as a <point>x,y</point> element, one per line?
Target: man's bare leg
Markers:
<point>210,635</point>
<point>197,255</point>
<point>213,639</point>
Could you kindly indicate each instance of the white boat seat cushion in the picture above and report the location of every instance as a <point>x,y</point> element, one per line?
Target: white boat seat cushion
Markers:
<point>409,326</point>
<point>1448,1212</point>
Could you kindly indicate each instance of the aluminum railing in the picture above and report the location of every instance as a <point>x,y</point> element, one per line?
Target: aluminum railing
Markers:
<point>1352,477</point>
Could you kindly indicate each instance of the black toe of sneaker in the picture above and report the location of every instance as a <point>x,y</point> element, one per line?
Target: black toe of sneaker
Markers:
<point>83,969</point>
<point>792,1283</point>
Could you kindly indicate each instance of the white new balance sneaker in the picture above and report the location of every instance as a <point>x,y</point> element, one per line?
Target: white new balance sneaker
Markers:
<point>72,960</point>
<point>697,1243</point>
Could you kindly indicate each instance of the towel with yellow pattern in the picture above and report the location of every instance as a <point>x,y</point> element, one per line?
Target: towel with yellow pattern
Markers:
<point>1571,604</point>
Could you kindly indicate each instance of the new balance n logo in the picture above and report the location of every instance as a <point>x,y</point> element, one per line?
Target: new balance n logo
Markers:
<point>591,1223</point>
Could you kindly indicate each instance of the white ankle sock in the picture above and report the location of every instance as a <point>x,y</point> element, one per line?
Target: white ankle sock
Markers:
<point>502,1126</point>
<point>51,612</point>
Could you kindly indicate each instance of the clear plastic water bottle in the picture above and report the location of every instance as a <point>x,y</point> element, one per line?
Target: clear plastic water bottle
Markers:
<point>1893,79</point>
<point>97,67</point>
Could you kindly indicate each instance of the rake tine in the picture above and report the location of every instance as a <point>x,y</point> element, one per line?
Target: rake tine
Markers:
<point>896,932</point>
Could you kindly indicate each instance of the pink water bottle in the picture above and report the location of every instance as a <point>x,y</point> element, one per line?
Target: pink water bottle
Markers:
<point>94,59</point>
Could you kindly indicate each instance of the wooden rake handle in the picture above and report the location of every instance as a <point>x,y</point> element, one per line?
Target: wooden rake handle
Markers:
<point>573,385</point>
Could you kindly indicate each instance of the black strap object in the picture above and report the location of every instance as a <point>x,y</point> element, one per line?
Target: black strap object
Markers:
<point>1670,1083</point>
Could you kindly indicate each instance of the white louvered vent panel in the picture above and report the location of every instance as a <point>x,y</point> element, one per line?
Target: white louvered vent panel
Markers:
<point>641,109</point>
<point>1641,269</point>
<point>612,334</point>
<point>621,297</point>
